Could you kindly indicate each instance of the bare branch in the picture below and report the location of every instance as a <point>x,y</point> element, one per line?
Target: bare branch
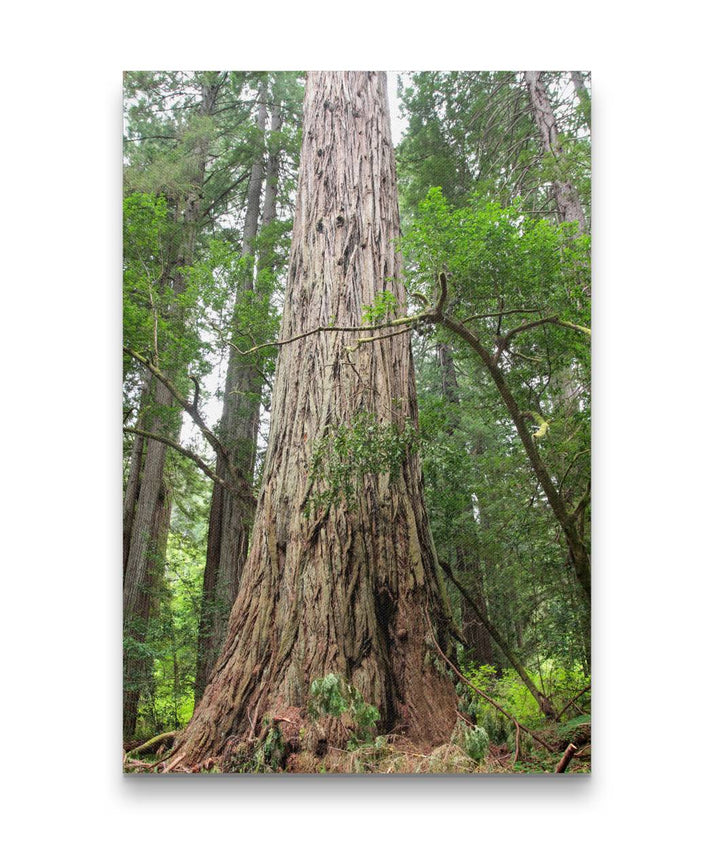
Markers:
<point>575,698</point>
<point>504,342</point>
<point>326,328</point>
<point>499,314</point>
<point>196,459</point>
<point>194,414</point>
<point>352,348</point>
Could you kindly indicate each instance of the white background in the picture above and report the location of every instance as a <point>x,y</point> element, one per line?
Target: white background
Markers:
<point>655,433</point>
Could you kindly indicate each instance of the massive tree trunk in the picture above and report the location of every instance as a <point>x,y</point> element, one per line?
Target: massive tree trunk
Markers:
<point>231,516</point>
<point>566,197</point>
<point>352,587</point>
<point>146,511</point>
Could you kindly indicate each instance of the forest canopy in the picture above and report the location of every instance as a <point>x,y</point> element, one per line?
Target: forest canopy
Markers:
<point>356,389</point>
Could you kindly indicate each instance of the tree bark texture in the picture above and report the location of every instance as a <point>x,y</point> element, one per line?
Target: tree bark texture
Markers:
<point>230,516</point>
<point>566,197</point>
<point>146,511</point>
<point>336,589</point>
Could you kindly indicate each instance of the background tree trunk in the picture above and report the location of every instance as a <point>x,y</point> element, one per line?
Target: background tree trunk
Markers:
<point>566,197</point>
<point>468,563</point>
<point>230,517</point>
<point>146,521</point>
<point>345,588</point>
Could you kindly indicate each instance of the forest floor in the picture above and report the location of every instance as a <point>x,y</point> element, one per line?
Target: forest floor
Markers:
<point>394,755</point>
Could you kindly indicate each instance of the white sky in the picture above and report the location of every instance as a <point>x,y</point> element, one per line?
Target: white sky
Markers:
<point>398,124</point>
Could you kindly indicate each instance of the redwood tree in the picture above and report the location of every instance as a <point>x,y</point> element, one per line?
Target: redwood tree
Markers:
<point>146,508</point>
<point>350,585</point>
<point>231,515</point>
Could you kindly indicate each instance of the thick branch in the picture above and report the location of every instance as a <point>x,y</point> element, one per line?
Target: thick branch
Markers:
<point>151,742</point>
<point>578,551</point>
<point>566,758</point>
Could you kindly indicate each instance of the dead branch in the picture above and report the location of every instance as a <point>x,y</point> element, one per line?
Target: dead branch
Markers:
<point>174,764</point>
<point>575,698</point>
<point>196,459</point>
<point>151,742</point>
<point>543,701</point>
<point>194,413</point>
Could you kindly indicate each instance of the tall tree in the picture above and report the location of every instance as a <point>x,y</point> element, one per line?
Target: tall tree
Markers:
<point>467,554</point>
<point>231,515</point>
<point>566,195</point>
<point>146,513</point>
<point>348,586</point>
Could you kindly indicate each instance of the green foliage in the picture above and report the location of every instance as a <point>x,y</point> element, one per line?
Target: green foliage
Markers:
<point>346,453</point>
<point>170,647</point>
<point>473,132</point>
<point>489,516</point>
<point>574,726</point>
<point>328,697</point>
<point>508,690</point>
<point>270,753</point>
<point>333,696</point>
<point>384,305</point>
<point>474,740</point>
<point>494,253</point>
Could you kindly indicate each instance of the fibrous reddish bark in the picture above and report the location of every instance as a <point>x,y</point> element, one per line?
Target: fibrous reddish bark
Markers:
<point>346,588</point>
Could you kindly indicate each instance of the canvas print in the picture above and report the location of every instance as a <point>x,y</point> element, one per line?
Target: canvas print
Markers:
<point>356,422</point>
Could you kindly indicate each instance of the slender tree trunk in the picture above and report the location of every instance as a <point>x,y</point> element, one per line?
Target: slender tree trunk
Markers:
<point>132,492</point>
<point>475,630</point>
<point>231,517</point>
<point>146,512</point>
<point>146,551</point>
<point>566,197</point>
<point>348,590</point>
<point>467,560</point>
<point>583,96</point>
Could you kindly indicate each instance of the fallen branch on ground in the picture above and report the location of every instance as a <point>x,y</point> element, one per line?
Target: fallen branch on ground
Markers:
<point>567,757</point>
<point>150,743</point>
